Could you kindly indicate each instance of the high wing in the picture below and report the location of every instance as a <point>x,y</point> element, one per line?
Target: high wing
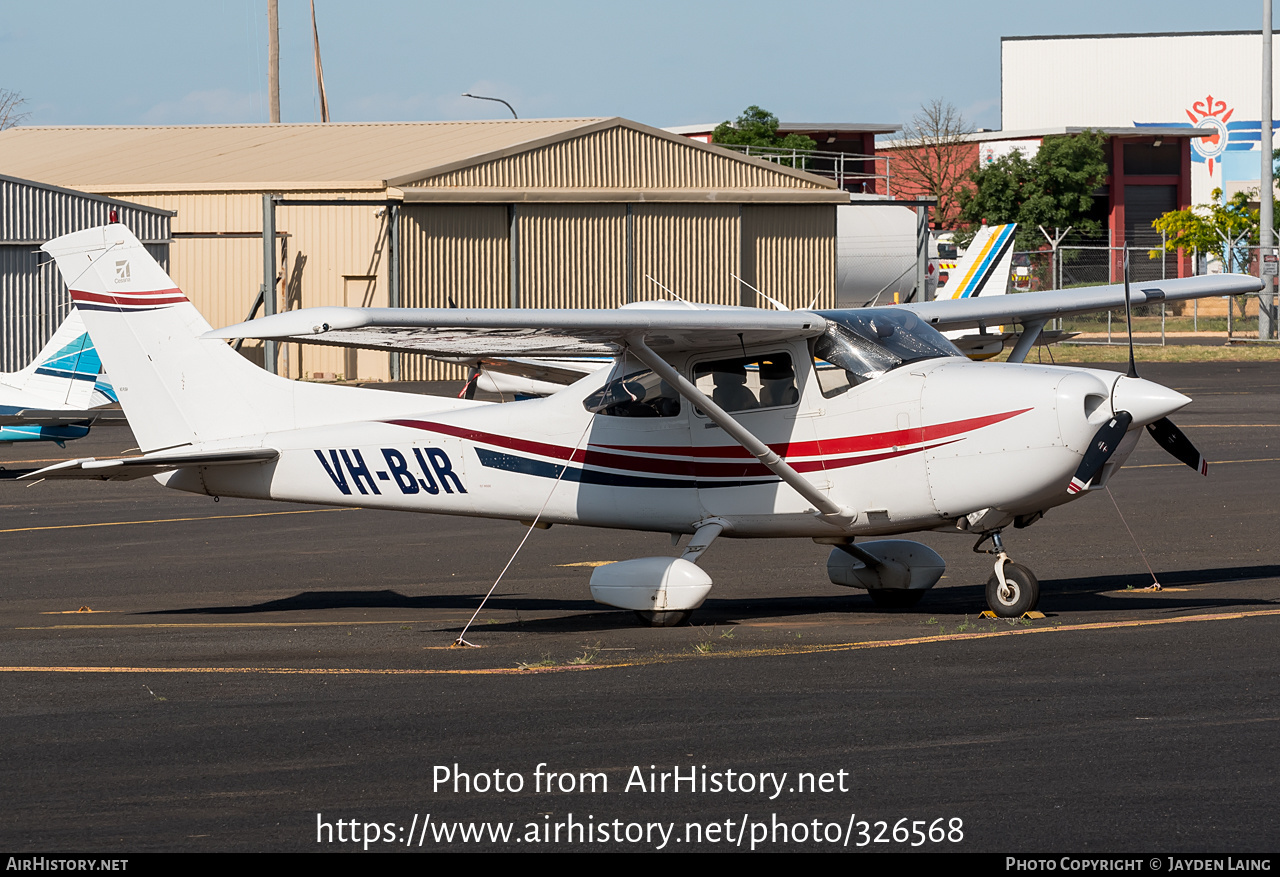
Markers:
<point>465,333</point>
<point>1034,307</point>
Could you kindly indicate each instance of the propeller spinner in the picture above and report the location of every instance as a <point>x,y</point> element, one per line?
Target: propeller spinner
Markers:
<point>1107,438</point>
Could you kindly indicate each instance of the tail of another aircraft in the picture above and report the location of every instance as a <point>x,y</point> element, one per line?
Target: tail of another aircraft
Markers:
<point>176,388</point>
<point>64,373</point>
<point>984,270</point>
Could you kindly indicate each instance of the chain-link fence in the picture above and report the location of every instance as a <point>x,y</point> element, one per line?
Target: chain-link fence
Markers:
<point>1079,262</point>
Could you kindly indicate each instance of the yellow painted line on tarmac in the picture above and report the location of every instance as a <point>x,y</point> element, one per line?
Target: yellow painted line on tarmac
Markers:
<point>667,658</point>
<point>176,520</point>
<point>590,563</point>
<point>1231,426</point>
<point>160,625</point>
<point>1065,628</point>
<point>1211,463</point>
<point>312,671</point>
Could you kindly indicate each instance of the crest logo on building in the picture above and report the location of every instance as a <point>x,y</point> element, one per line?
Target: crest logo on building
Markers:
<point>1211,114</point>
<point>122,271</point>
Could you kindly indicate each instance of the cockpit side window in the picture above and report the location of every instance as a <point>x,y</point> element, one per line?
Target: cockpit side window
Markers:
<point>638,394</point>
<point>750,382</point>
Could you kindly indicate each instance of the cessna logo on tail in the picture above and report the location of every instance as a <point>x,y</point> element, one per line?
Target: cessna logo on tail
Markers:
<point>122,271</point>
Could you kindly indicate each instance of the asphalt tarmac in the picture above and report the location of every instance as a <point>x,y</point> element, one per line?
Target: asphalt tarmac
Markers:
<point>184,675</point>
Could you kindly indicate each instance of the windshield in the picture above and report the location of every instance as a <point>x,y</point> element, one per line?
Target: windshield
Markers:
<point>862,345</point>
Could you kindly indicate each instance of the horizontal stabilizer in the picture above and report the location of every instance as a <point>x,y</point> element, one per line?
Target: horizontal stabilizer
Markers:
<point>62,417</point>
<point>129,468</point>
<point>976,342</point>
<point>562,371</point>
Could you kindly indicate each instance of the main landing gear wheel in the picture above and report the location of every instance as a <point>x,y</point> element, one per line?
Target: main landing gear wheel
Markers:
<point>895,598</point>
<point>1020,593</point>
<point>664,619</point>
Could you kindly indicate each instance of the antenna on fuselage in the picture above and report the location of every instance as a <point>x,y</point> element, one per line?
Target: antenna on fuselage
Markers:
<point>770,299</point>
<point>670,293</point>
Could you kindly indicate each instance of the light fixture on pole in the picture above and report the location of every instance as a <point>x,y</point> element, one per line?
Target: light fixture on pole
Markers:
<point>498,99</point>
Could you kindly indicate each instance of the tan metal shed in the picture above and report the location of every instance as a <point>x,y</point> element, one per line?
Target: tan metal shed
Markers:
<point>526,213</point>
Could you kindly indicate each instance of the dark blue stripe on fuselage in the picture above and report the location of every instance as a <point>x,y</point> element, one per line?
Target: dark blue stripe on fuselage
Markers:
<point>542,469</point>
<point>63,373</point>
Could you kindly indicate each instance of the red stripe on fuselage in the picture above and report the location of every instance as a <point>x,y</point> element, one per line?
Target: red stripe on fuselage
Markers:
<point>656,459</point>
<point>847,445</point>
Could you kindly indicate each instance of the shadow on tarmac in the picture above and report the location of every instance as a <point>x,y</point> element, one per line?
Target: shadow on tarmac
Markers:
<point>1082,594</point>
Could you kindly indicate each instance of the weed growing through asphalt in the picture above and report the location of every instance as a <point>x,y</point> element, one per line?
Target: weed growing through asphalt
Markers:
<point>546,661</point>
<point>588,656</point>
<point>704,648</point>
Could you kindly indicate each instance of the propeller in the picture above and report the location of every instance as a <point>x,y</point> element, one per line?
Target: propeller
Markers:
<point>1176,443</point>
<point>1107,439</point>
<point>1104,444</point>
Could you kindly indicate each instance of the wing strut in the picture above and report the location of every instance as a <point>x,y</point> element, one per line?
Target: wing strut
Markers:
<point>1030,332</point>
<point>828,510</point>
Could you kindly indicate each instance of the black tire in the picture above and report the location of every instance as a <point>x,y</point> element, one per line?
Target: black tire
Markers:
<point>664,619</point>
<point>895,598</point>
<point>1024,592</point>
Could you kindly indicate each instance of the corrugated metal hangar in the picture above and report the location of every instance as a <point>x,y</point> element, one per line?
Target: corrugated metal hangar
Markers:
<point>33,298</point>
<point>521,213</point>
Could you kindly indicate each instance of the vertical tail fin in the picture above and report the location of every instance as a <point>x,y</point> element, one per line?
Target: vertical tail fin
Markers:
<point>985,266</point>
<point>64,372</point>
<point>177,388</point>
<point>174,388</point>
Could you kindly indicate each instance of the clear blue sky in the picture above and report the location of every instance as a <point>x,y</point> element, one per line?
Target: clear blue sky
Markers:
<point>658,62</point>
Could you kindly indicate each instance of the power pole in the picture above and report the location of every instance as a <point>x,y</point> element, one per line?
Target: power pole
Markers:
<point>1267,300</point>
<point>315,35</point>
<point>273,58</point>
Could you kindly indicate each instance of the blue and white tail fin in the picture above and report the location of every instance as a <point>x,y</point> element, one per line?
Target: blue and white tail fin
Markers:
<point>984,270</point>
<point>176,388</point>
<point>64,372</point>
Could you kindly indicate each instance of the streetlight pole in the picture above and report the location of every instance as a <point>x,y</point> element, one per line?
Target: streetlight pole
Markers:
<point>498,99</point>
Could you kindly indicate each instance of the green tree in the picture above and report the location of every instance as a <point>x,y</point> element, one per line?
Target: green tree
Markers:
<point>758,127</point>
<point>1225,231</point>
<point>1053,188</point>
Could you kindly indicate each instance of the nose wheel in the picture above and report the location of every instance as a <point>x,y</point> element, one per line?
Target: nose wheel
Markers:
<point>1012,589</point>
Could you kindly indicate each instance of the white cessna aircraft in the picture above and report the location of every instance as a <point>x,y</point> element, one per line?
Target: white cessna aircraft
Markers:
<point>59,395</point>
<point>711,422</point>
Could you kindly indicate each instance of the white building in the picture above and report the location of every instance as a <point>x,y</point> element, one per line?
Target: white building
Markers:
<point>1202,80</point>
